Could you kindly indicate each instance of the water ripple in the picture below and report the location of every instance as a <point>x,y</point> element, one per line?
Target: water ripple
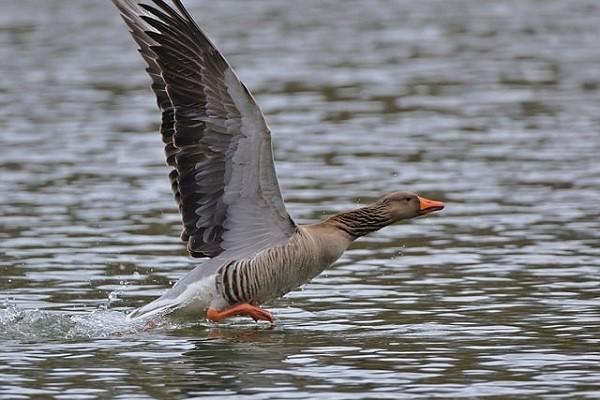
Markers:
<point>491,107</point>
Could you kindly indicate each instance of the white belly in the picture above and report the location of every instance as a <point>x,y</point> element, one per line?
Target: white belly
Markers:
<point>186,297</point>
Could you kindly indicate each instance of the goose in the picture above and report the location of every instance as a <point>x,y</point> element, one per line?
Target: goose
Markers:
<point>223,178</point>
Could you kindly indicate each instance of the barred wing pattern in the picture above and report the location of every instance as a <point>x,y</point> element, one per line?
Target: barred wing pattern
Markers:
<point>216,138</point>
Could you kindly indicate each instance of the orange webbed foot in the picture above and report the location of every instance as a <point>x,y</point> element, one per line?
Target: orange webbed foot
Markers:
<point>245,309</point>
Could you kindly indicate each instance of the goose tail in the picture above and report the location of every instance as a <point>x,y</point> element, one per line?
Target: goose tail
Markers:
<point>154,309</point>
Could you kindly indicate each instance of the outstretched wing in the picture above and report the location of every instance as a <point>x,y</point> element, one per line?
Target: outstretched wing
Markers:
<point>216,138</point>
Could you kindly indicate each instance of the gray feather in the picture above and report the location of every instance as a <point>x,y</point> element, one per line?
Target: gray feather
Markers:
<point>215,136</point>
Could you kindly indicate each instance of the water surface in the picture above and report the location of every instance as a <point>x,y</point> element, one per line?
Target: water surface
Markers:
<point>492,107</point>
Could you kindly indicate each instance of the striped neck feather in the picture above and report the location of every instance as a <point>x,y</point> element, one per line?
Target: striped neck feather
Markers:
<point>362,221</point>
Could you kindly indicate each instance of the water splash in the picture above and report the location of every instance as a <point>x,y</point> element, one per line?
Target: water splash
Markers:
<point>35,325</point>
<point>113,297</point>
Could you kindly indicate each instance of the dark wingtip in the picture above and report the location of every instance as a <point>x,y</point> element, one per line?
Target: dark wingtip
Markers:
<point>197,248</point>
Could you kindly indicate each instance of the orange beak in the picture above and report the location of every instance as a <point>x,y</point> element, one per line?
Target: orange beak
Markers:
<point>428,206</point>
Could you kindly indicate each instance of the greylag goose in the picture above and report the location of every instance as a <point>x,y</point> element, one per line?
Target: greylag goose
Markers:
<point>223,179</point>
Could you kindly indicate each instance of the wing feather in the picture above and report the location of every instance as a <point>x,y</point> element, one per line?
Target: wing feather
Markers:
<point>215,136</point>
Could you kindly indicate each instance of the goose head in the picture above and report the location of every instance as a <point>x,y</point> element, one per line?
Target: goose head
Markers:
<point>405,205</point>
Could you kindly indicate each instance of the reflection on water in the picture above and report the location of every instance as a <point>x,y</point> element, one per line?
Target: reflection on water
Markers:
<point>492,107</point>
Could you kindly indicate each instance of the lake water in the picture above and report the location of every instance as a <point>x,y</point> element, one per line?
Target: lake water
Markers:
<point>492,107</point>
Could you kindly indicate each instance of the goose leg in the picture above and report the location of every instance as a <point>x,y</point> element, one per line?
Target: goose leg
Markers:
<point>240,309</point>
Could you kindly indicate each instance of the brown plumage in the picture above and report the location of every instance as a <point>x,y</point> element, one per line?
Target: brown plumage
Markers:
<point>223,178</point>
